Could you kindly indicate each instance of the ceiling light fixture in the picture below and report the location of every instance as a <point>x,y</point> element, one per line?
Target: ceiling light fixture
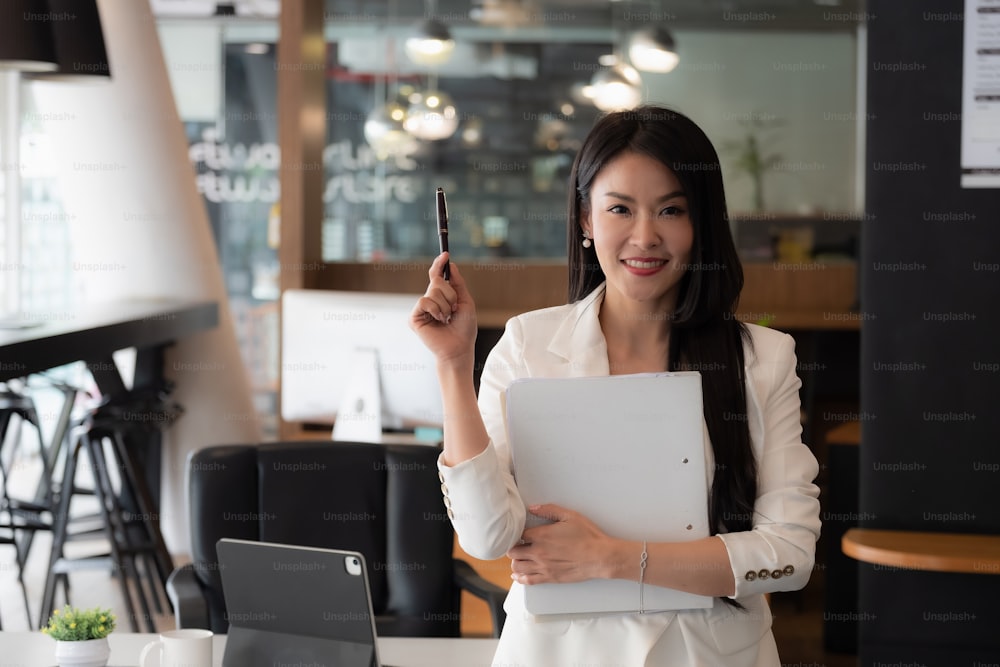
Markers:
<point>385,133</point>
<point>615,88</point>
<point>431,115</point>
<point>431,45</point>
<point>26,42</point>
<point>653,49</point>
<point>618,86</point>
<point>384,130</point>
<point>80,52</point>
<point>257,49</point>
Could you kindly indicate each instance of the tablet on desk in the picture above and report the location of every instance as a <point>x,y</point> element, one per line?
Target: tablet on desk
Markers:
<point>291,605</point>
<point>626,451</point>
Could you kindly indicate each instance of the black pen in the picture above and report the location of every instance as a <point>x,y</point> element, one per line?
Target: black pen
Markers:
<point>442,217</point>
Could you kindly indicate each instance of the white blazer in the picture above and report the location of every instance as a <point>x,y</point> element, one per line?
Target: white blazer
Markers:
<point>777,554</point>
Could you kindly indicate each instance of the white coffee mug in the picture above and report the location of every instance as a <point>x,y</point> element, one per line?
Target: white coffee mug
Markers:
<point>179,648</point>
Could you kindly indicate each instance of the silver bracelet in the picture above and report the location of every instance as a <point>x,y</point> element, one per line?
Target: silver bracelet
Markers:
<point>642,577</point>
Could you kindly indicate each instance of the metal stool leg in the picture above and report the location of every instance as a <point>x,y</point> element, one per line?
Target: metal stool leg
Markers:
<point>147,508</point>
<point>60,525</point>
<point>148,548</point>
<point>23,518</point>
<point>128,509</point>
<point>122,555</point>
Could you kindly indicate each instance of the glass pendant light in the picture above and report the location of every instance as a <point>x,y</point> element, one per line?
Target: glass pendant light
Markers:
<point>431,45</point>
<point>385,133</point>
<point>615,88</point>
<point>653,50</point>
<point>431,116</point>
<point>618,86</point>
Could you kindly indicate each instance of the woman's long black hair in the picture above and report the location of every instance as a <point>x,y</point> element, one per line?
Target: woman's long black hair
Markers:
<point>705,334</point>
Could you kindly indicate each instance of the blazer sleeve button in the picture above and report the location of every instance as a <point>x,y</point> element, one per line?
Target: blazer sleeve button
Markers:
<point>451,513</point>
<point>751,575</point>
<point>444,489</point>
<point>447,502</point>
<point>777,574</point>
<point>763,574</point>
<point>789,570</point>
<point>441,476</point>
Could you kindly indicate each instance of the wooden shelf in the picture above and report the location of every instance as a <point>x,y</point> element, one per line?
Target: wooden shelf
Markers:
<point>805,320</point>
<point>936,552</point>
<point>496,318</point>
<point>848,433</point>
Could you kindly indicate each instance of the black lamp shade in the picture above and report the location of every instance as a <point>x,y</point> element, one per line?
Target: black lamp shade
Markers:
<point>26,42</point>
<point>662,36</point>
<point>433,29</point>
<point>79,41</point>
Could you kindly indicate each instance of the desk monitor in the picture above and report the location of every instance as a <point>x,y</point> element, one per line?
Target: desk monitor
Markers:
<point>336,345</point>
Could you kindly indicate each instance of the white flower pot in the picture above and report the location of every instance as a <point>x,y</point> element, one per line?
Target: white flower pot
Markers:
<point>89,653</point>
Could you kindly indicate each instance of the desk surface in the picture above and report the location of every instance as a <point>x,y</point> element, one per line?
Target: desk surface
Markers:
<point>97,330</point>
<point>33,649</point>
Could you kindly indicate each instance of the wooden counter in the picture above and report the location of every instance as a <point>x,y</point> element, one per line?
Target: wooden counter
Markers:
<point>789,297</point>
<point>929,551</point>
<point>848,433</point>
<point>937,552</point>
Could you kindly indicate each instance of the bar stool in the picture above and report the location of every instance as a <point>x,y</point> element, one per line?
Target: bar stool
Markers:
<point>18,517</point>
<point>127,514</point>
<point>21,520</point>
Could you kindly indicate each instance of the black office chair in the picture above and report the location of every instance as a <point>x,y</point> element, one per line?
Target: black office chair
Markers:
<point>381,500</point>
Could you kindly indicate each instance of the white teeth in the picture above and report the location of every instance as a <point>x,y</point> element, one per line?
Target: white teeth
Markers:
<point>644,265</point>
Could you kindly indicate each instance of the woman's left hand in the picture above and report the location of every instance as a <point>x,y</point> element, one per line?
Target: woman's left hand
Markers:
<point>570,549</point>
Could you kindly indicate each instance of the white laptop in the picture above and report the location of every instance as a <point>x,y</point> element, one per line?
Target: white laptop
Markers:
<point>626,451</point>
<point>293,605</point>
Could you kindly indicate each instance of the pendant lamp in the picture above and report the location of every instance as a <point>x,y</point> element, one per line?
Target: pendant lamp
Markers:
<point>26,42</point>
<point>79,42</point>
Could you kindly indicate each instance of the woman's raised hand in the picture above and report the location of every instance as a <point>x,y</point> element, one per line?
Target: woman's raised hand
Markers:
<point>445,316</point>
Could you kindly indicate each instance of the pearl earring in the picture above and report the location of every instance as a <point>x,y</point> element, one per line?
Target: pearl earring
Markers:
<point>586,241</point>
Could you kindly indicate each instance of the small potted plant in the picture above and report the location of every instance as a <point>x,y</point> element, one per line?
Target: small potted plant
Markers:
<point>81,636</point>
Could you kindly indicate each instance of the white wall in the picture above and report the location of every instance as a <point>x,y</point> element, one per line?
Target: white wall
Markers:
<point>139,229</point>
<point>193,54</point>
<point>806,79</point>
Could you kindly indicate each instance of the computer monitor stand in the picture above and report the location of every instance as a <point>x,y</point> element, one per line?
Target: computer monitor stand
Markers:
<point>359,418</point>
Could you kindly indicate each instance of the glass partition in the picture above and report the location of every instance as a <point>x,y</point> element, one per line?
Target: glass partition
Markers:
<point>503,155</point>
<point>780,105</point>
<point>777,97</point>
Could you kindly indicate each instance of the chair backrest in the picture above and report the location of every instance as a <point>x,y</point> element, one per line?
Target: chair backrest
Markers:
<point>381,500</point>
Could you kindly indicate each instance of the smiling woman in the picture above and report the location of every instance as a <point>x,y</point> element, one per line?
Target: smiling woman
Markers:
<point>638,219</point>
<point>645,186</point>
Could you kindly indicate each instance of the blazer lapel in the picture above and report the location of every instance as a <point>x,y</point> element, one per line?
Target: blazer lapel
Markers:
<point>579,341</point>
